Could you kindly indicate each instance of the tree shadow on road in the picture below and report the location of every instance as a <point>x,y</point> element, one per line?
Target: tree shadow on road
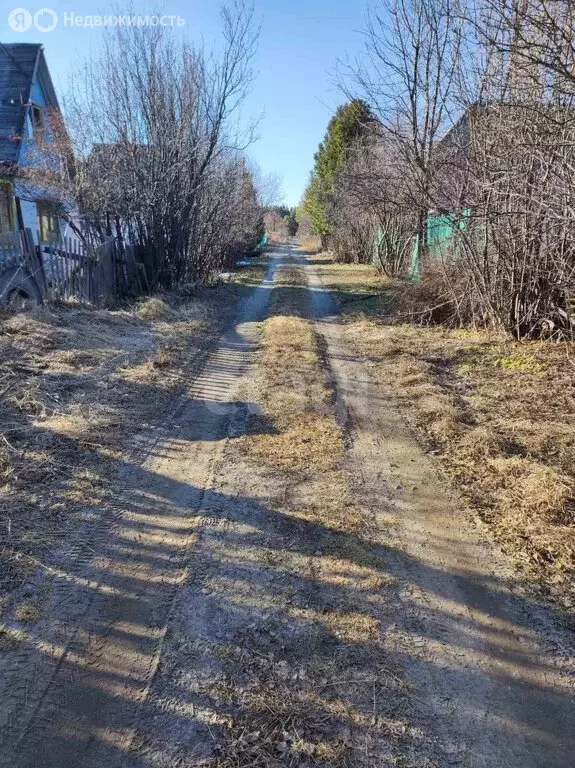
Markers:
<point>237,619</point>
<point>288,642</point>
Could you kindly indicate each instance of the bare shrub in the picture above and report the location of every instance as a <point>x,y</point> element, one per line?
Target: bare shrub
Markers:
<point>155,157</point>
<point>474,104</point>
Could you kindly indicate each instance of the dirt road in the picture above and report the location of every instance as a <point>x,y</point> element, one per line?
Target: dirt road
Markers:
<point>204,619</point>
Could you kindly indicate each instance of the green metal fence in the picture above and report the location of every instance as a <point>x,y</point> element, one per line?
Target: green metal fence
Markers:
<point>443,242</point>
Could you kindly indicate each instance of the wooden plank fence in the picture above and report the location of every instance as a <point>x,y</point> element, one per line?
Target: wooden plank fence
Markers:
<point>66,269</point>
<point>93,274</point>
<point>17,249</point>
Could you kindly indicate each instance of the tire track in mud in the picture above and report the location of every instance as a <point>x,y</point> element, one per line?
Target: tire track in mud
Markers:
<point>75,682</point>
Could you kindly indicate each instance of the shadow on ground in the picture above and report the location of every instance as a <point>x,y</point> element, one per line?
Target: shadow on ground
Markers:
<point>130,565</point>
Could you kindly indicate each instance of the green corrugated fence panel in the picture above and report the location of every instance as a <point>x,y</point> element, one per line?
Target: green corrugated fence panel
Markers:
<point>415,271</point>
<point>377,243</point>
<point>441,231</point>
<point>384,240</point>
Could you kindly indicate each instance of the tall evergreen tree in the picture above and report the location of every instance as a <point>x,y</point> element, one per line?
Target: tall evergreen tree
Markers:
<point>349,122</point>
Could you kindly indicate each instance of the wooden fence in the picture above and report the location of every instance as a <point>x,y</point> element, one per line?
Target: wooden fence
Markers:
<point>67,269</point>
<point>17,249</point>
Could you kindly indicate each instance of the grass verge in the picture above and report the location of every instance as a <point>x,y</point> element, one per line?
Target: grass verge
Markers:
<point>75,384</point>
<point>499,414</point>
<point>252,272</point>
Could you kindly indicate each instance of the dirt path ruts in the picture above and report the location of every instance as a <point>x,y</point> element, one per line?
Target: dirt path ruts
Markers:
<point>193,565</point>
<point>75,682</point>
<point>494,673</point>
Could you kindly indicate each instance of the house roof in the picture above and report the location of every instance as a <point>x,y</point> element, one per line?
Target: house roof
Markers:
<point>19,63</point>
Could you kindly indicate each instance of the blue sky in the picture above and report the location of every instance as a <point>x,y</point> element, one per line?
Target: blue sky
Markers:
<point>300,43</point>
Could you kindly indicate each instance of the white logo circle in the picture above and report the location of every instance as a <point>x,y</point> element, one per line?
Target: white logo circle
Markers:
<point>45,20</point>
<point>20,20</point>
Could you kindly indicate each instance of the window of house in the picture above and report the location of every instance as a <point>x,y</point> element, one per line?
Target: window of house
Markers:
<point>6,208</point>
<point>48,222</point>
<point>34,121</point>
<point>36,116</point>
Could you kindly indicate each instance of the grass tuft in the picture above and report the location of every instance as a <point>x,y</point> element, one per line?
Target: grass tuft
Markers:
<point>154,308</point>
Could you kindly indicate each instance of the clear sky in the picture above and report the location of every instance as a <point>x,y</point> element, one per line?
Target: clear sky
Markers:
<point>294,89</point>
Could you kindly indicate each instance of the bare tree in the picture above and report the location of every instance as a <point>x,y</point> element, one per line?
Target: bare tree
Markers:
<point>512,167</point>
<point>489,194</point>
<point>268,186</point>
<point>408,76</point>
<point>157,151</point>
<point>373,210</point>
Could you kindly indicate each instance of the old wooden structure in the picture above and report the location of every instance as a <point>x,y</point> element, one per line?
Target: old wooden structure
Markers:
<point>67,269</point>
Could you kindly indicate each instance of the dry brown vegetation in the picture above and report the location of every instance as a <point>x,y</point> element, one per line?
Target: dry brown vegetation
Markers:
<point>302,442</point>
<point>297,397</point>
<point>75,384</point>
<point>311,243</point>
<point>251,274</point>
<point>498,412</point>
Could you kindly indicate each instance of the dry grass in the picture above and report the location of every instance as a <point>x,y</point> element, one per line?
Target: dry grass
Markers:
<point>297,398</point>
<point>298,431</point>
<point>311,244</point>
<point>290,275</point>
<point>284,726</point>
<point>75,385</point>
<point>359,289</point>
<point>346,278</point>
<point>251,274</point>
<point>499,414</point>
<point>154,308</point>
<point>28,611</point>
